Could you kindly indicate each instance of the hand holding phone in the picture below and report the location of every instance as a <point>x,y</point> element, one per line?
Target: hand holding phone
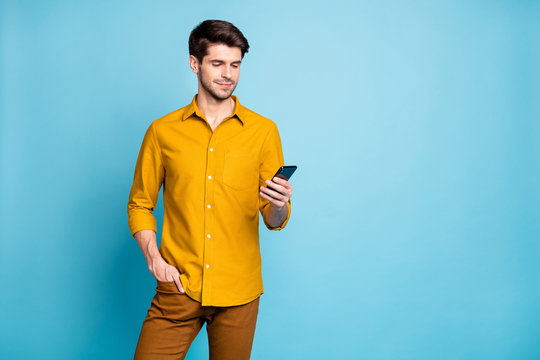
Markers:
<point>278,194</point>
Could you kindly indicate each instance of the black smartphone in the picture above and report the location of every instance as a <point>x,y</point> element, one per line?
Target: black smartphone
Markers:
<point>285,172</point>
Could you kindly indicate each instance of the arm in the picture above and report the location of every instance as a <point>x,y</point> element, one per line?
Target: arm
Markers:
<point>275,196</point>
<point>148,178</point>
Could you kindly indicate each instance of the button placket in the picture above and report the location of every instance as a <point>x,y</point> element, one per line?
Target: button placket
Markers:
<point>209,219</point>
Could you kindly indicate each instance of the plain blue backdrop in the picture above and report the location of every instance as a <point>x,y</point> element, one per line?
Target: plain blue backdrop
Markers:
<point>416,130</point>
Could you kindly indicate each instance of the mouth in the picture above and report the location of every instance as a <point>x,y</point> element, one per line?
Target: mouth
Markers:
<point>225,85</point>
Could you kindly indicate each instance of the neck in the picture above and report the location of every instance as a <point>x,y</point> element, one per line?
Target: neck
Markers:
<point>212,108</point>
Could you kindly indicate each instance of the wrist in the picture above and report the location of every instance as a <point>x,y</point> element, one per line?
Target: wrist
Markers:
<point>152,255</point>
<point>154,262</point>
<point>278,210</point>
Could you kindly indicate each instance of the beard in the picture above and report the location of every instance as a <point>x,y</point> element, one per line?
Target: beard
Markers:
<point>214,90</point>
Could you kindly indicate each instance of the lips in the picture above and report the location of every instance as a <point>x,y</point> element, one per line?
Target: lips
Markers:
<point>225,85</point>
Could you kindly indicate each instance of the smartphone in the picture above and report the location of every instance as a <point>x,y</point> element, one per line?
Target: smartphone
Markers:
<point>285,172</point>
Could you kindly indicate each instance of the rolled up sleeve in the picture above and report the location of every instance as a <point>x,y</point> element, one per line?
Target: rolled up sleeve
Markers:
<point>271,161</point>
<point>147,181</point>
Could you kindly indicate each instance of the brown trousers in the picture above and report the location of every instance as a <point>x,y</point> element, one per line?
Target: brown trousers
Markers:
<point>174,320</point>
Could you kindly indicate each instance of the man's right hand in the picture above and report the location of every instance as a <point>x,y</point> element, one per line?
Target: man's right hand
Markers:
<point>156,264</point>
<point>165,272</point>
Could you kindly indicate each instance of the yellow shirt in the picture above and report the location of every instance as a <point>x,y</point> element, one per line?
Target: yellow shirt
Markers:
<point>211,198</point>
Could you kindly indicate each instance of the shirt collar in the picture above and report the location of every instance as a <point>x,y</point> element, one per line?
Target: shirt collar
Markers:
<point>239,111</point>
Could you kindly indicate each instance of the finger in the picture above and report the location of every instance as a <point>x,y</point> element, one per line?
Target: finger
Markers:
<point>274,194</point>
<point>282,182</point>
<point>272,200</point>
<point>179,284</point>
<point>175,276</point>
<point>277,197</point>
<point>276,187</point>
<point>278,180</point>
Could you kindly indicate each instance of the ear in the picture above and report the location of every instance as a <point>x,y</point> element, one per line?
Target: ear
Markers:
<point>194,64</point>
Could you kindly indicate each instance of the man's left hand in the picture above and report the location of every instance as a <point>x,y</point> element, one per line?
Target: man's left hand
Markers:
<point>278,191</point>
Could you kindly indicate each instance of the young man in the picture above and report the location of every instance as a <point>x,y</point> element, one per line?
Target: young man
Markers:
<point>215,160</point>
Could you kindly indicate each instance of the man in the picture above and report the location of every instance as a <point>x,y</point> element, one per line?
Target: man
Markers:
<point>215,159</point>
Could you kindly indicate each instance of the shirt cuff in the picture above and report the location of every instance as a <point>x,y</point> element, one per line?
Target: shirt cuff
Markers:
<point>138,222</point>
<point>284,221</point>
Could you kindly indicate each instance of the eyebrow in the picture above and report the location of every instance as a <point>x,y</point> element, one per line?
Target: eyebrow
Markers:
<point>221,61</point>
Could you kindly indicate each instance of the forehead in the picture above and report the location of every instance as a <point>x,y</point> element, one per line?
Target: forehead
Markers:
<point>223,52</point>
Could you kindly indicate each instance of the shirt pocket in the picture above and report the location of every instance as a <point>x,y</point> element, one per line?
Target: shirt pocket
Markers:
<point>241,170</point>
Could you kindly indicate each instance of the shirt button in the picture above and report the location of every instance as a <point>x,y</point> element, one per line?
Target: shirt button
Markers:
<point>208,236</point>
<point>210,177</point>
<point>211,149</point>
<point>209,206</point>
<point>207,266</point>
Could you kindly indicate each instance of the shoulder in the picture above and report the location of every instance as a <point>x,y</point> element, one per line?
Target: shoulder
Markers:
<point>164,123</point>
<point>173,116</point>
<point>258,120</point>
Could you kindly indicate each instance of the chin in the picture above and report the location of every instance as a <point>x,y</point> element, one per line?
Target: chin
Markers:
<point>223,95</point>
<point>220,96</point>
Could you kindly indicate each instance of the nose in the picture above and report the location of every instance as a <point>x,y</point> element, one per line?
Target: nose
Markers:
<point>226,72</point>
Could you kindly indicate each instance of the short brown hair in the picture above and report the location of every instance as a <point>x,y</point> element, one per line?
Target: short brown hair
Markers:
<point>215,32</point>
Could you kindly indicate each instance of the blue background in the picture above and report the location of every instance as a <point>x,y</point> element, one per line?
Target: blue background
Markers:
<point>416,129</point>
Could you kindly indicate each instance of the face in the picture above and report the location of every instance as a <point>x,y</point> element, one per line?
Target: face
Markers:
<point>219,72</point>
